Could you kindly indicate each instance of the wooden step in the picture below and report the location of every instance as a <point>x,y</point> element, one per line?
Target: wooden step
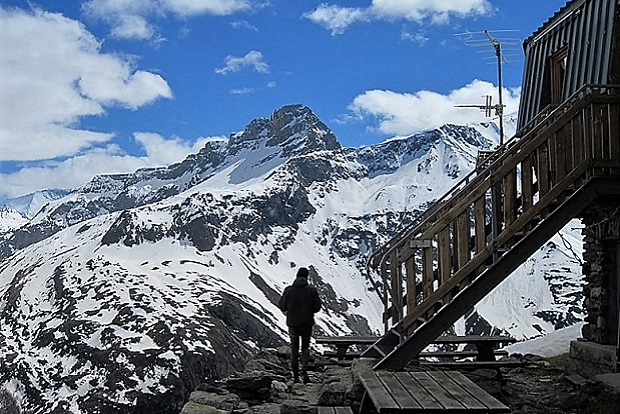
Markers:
<point>457,354</point>
<point>473,364</point>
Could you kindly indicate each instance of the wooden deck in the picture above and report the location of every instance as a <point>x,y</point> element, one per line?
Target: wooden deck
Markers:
<point>420,392</point>
<point>334,410</point>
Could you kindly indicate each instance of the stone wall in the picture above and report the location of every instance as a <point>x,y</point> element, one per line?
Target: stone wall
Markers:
<point>601,238</point>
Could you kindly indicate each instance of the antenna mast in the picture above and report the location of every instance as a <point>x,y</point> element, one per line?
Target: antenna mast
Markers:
<point>497,46</point>
<point>500,107</point>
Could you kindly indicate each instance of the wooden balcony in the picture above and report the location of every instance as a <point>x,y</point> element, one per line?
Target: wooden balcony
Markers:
<point>493,220</point>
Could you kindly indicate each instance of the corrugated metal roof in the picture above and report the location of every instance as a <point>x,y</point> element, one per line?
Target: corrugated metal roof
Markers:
<point>584,29</point>
<point>564,10</point>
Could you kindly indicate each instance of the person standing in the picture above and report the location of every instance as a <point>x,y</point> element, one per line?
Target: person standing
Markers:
<point>299,302</point>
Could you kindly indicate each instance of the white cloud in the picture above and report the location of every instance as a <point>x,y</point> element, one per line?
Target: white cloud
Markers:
<point>437,11</point>
<point>162,151</point>
<point>75,171</point>
<point>418,38</point>
<point>337,18</point>
<point>403,113</point>
<point>252,59</point>
<point>244,24</point>
<point>53,74</point>
<point>129,18</point>
<point>241,91</point>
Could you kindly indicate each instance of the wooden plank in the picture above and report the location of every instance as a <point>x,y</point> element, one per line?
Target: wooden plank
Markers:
<point>445,255</point>
<point>558,155</point>
<point>542,172</point>
<point>510,197</point>
<point>396,289</point>
<point>492,403</point>
<point>577,138</point>
<point>348,340</point>
<point>380,397</point>
<point>614,129</point>
<point>472,364</point>
<point>427,271</point>
<point>399,392</point>
<point>497,205</point>
<point>471,339</point>
<point>569,152</point>
<point>605,133</point>
<point>411,283</point>
<point>480,223</point>
<point>321,409</point>
<point>596,134</point>
<point>457,354</point>
<point>527,184</point>
<point>419,392</point>
<point>460,393</point>
<point>462,239</point>
<point>431,386</point>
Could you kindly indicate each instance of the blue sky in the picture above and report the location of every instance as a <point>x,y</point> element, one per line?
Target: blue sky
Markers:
<point>107,86</point>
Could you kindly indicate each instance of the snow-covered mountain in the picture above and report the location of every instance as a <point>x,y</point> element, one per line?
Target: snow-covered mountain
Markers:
<point>10,219</point>
<point>30,204</point>
<point>128,292</point>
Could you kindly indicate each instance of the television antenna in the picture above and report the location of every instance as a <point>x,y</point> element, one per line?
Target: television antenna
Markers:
<point>496,42</point>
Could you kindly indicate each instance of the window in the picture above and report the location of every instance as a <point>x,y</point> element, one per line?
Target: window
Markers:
<point>557,65</point>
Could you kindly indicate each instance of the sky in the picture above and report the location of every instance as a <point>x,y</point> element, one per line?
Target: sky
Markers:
<point>109,86</point>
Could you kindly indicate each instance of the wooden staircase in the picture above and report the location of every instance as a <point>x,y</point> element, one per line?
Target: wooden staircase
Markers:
<point>481,231</point>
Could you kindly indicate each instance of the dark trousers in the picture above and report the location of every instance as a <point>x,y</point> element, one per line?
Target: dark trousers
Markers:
<point>300,335</point>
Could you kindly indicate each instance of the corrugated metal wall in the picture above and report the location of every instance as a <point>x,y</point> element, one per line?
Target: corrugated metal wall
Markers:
<point>586,28</point>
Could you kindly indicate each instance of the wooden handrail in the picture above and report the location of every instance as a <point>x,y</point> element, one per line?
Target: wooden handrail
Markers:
<point>580,98</point>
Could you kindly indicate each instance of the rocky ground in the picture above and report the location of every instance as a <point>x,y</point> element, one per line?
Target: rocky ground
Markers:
<point>539,386</point>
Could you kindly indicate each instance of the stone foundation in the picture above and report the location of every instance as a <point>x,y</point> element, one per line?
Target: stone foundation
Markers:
<point>600,269</point>
<point>590,359</point>
<point>597,353</point>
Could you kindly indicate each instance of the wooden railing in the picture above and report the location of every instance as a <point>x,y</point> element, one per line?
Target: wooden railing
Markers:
<point>470,228</point>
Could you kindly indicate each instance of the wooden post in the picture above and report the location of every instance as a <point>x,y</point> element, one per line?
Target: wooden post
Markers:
<point>527,184</point>
<point>543,169</point>
<point>560,156</point>
<point>411,283</point>
<point>480,222</point>
<point>614,134</point>
<point>428,275</point>
<point>510,197</point>
<point>445,256</point>
<point>397,290</point>
<point>462,239</point>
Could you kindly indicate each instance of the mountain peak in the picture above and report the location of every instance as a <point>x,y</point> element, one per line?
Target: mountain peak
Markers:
<point>295,128</point>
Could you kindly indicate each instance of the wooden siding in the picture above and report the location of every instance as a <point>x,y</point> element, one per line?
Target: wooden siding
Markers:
<point>586,28</point>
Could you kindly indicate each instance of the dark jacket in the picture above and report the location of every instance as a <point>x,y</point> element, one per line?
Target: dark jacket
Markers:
<point>300,302</point>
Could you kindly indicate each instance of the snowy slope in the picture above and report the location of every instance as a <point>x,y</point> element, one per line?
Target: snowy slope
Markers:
<point>131,290</point>
<point>30,204</point>
<point>11,219</point>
